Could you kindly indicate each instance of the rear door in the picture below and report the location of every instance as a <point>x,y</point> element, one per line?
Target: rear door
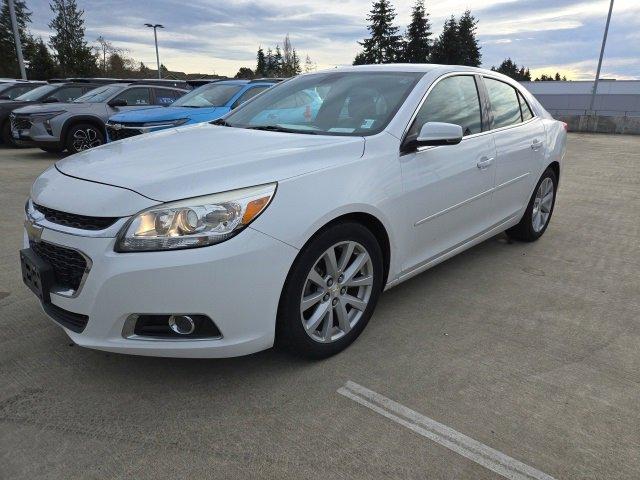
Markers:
<point>136,97</point>
<point>519,137</point>
<point>165,96</point>
<point>448,188</point>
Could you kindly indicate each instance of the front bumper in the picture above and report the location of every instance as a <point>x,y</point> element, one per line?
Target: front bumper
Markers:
<point>236,283</point>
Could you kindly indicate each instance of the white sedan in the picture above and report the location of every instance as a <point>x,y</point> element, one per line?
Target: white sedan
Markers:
<point>284,221</point>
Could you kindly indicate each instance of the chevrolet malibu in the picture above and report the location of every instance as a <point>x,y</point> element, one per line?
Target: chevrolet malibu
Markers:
<point>224,239</point>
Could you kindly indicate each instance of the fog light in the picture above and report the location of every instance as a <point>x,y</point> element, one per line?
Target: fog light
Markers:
<point>182,324</point>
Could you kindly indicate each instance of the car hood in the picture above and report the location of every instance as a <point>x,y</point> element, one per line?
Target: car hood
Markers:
<point>56,106</point>
<point>162,113</point>
<point>191,161</point>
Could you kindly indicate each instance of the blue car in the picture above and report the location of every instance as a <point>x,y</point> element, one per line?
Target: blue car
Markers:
<point>205,103</point>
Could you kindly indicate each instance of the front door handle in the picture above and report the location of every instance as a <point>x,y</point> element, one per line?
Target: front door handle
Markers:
<point>536,145</point>
<point>484,163</point>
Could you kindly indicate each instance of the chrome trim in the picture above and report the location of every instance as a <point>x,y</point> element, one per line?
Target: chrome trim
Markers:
<point>471,199</point>
<point>130,324</point>
<point>37,218</point>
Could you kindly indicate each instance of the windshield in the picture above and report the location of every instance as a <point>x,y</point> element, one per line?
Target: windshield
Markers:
<point>99,95</point>
<point>37,93</point>
<point>340,103</point>
<point>211,95</point>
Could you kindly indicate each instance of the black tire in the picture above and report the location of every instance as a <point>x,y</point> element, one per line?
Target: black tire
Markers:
<point>525,231</point>
<point>5,133</point>
<point>94,137</point>
<point>290,332</point>
<point>53,149</point>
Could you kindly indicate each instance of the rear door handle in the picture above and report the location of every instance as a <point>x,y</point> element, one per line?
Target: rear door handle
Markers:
<point>536,145</point>
<point>484,163</point>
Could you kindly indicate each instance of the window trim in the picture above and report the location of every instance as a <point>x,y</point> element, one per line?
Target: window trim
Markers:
<point>483,111</point>
<point>533,112</point>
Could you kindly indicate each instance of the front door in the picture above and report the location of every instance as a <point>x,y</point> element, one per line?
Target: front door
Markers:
<point>448,189</point>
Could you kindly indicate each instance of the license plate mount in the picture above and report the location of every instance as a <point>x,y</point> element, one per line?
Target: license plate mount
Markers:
<point>36,274</point>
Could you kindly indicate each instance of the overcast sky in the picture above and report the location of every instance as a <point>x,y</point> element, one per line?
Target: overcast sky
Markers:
<point>219,36</point>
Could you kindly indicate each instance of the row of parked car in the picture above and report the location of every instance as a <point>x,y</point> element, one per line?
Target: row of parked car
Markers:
<point>78,114</point>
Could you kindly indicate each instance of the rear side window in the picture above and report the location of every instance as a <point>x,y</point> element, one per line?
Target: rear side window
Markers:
<point>504,103</point>
<point>67,94</point>
<point>165,96</point>
<point>136,96</point>
<point>453,100</point>
<point>527,114</point>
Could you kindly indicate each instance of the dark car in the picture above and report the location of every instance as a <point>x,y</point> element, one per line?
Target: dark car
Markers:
<point>49,93</point>
<point>11,89</point>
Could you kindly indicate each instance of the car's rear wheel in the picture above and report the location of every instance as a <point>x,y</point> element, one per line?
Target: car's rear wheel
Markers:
<point>539,210</point>
<point>331,291</point>
<point>83,137</point>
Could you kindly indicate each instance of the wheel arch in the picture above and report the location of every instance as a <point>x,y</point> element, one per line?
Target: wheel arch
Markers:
<point>75,120</point>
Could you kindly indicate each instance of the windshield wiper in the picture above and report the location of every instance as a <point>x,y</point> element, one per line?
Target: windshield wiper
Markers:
<point>221,122</point>
<point>280,128</point>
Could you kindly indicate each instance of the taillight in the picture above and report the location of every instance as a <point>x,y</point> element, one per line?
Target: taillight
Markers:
<point>565,126</point>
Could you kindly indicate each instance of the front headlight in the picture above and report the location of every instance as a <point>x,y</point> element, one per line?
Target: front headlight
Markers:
<point>194,222</point>
<point>43,116</point>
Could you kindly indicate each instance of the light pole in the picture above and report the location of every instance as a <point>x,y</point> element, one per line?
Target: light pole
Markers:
<point>16,35</point>
<point>604,42</point>
<point>155,37</point>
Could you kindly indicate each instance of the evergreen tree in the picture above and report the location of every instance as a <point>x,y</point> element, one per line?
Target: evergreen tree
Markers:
<point>8,55</point>
<point>277,63</point>
<point>309,66</point>
<point>417,43</point>
<point>510,68</point>
<point>244,73</point>
<point>261,67</point>
<point>295,64</point>
<point>68,43</point>
<point>269,63</point>
<point>446,49</point>
<point>469,46</point>
<point>41,63</point>
<point>384,45</point>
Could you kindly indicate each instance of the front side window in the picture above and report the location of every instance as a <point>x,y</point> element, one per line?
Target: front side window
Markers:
<point>135,96</point>
<point>340,103</point>
<point>210,95</point>
<point>15,91</point>
<point>452,100</point>
<point>504,103</point>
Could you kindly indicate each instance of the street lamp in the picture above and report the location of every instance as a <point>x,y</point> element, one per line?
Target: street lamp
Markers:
<point>604,42</point>
<point>155,37</point>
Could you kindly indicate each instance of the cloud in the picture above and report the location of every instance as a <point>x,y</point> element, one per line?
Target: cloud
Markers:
<point>221,36</point>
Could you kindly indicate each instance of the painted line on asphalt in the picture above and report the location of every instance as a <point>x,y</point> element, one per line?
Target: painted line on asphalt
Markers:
<point>449,438</point>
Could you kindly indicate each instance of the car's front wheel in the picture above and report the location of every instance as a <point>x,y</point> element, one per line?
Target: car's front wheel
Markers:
<point>331,291</point>
<point>539,210</point>
<point>83,137</point>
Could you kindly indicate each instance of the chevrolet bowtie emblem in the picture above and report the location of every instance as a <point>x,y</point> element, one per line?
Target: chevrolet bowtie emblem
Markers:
<point>34,231</point>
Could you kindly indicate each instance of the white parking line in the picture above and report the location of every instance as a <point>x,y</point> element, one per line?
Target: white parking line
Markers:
<point>447,437</point>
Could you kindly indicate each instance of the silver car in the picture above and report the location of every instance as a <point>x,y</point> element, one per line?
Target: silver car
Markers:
<point>80,125</point>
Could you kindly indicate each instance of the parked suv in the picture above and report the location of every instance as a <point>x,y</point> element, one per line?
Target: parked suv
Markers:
<point>46,94</point>
<point>79,125</point>
<point>205,103</point>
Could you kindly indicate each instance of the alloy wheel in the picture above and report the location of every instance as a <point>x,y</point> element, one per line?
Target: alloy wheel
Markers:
<point>542,205</point>
<point>336,292</point>
<point>86,138</point>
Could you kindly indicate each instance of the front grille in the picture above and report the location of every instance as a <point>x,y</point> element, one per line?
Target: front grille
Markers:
<point>68,265</point>
<point>120,133</point>
<point>75,322</point>
<point>20,123</point>
<point>73,220</point>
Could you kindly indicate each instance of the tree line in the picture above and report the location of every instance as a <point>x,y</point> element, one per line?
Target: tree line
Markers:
<point>456,45</point>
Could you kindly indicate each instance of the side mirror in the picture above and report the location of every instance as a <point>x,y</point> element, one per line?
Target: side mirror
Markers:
<point>437,133</point>
<point>118,102</point>
<point>50,100</point>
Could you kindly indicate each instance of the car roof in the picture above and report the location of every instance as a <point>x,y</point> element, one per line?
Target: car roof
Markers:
<point>406,67</point>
